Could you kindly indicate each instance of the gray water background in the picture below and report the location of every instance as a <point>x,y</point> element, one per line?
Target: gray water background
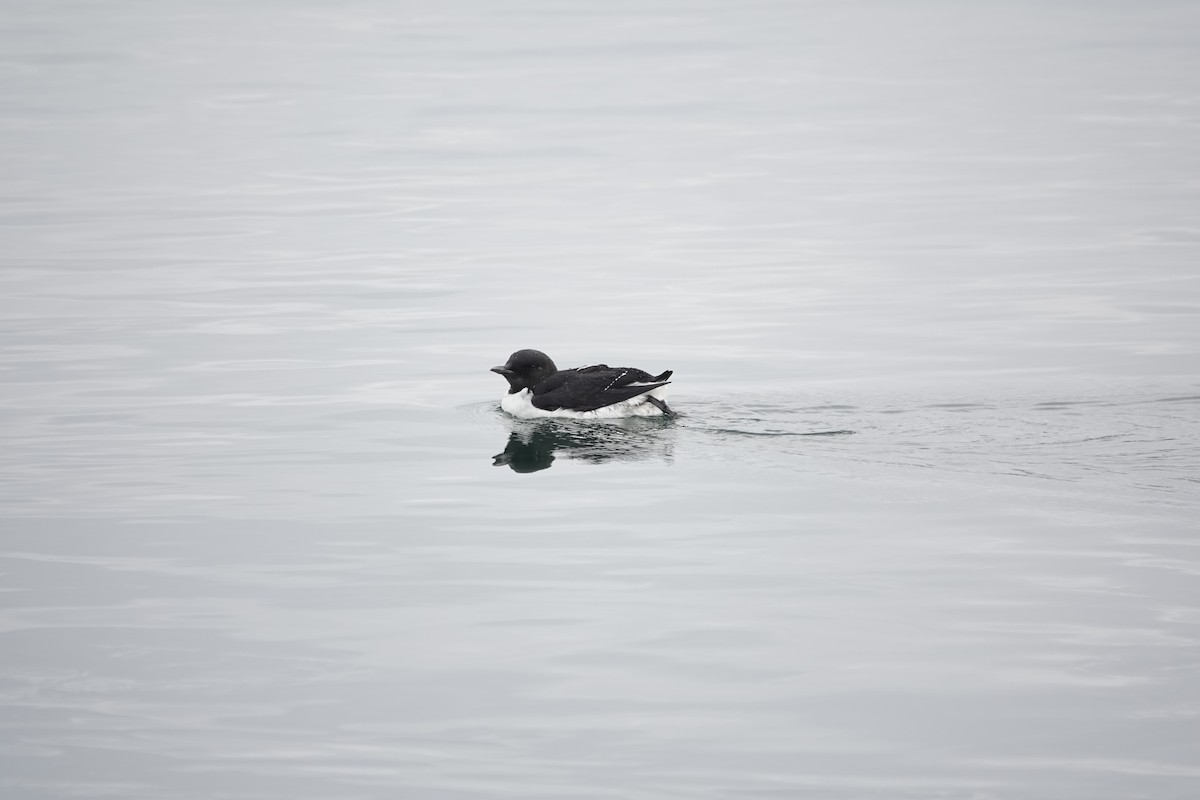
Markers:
<point>258,256</point>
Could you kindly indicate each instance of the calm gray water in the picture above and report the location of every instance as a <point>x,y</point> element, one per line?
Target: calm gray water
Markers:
<point>925,526</point>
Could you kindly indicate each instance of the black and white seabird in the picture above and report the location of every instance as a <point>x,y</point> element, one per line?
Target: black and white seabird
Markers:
<point>537,388</point>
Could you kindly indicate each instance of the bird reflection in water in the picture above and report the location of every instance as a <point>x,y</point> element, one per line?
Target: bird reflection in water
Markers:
<point>534,445</point>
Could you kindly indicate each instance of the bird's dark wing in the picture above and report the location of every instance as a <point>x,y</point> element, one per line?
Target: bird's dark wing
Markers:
<point>590,388</point>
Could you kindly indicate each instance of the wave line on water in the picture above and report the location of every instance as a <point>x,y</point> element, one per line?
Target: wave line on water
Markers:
<point>736,432</point>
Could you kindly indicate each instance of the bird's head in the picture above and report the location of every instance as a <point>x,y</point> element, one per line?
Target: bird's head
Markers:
<point>525,369</point>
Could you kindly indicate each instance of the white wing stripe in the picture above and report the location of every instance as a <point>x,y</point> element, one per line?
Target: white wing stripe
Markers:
<point>614,380</point>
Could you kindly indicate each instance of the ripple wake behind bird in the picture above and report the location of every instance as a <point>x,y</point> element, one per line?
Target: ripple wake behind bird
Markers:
<point>756,417</point>
<point>737,432</point>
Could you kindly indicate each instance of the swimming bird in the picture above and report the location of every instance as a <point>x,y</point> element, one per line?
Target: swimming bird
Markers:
<point>537,388</point>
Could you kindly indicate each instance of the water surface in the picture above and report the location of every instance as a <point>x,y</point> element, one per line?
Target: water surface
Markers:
<point>924,526</point>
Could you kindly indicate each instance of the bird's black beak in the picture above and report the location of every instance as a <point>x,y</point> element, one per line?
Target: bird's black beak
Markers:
<point>505,371</point>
